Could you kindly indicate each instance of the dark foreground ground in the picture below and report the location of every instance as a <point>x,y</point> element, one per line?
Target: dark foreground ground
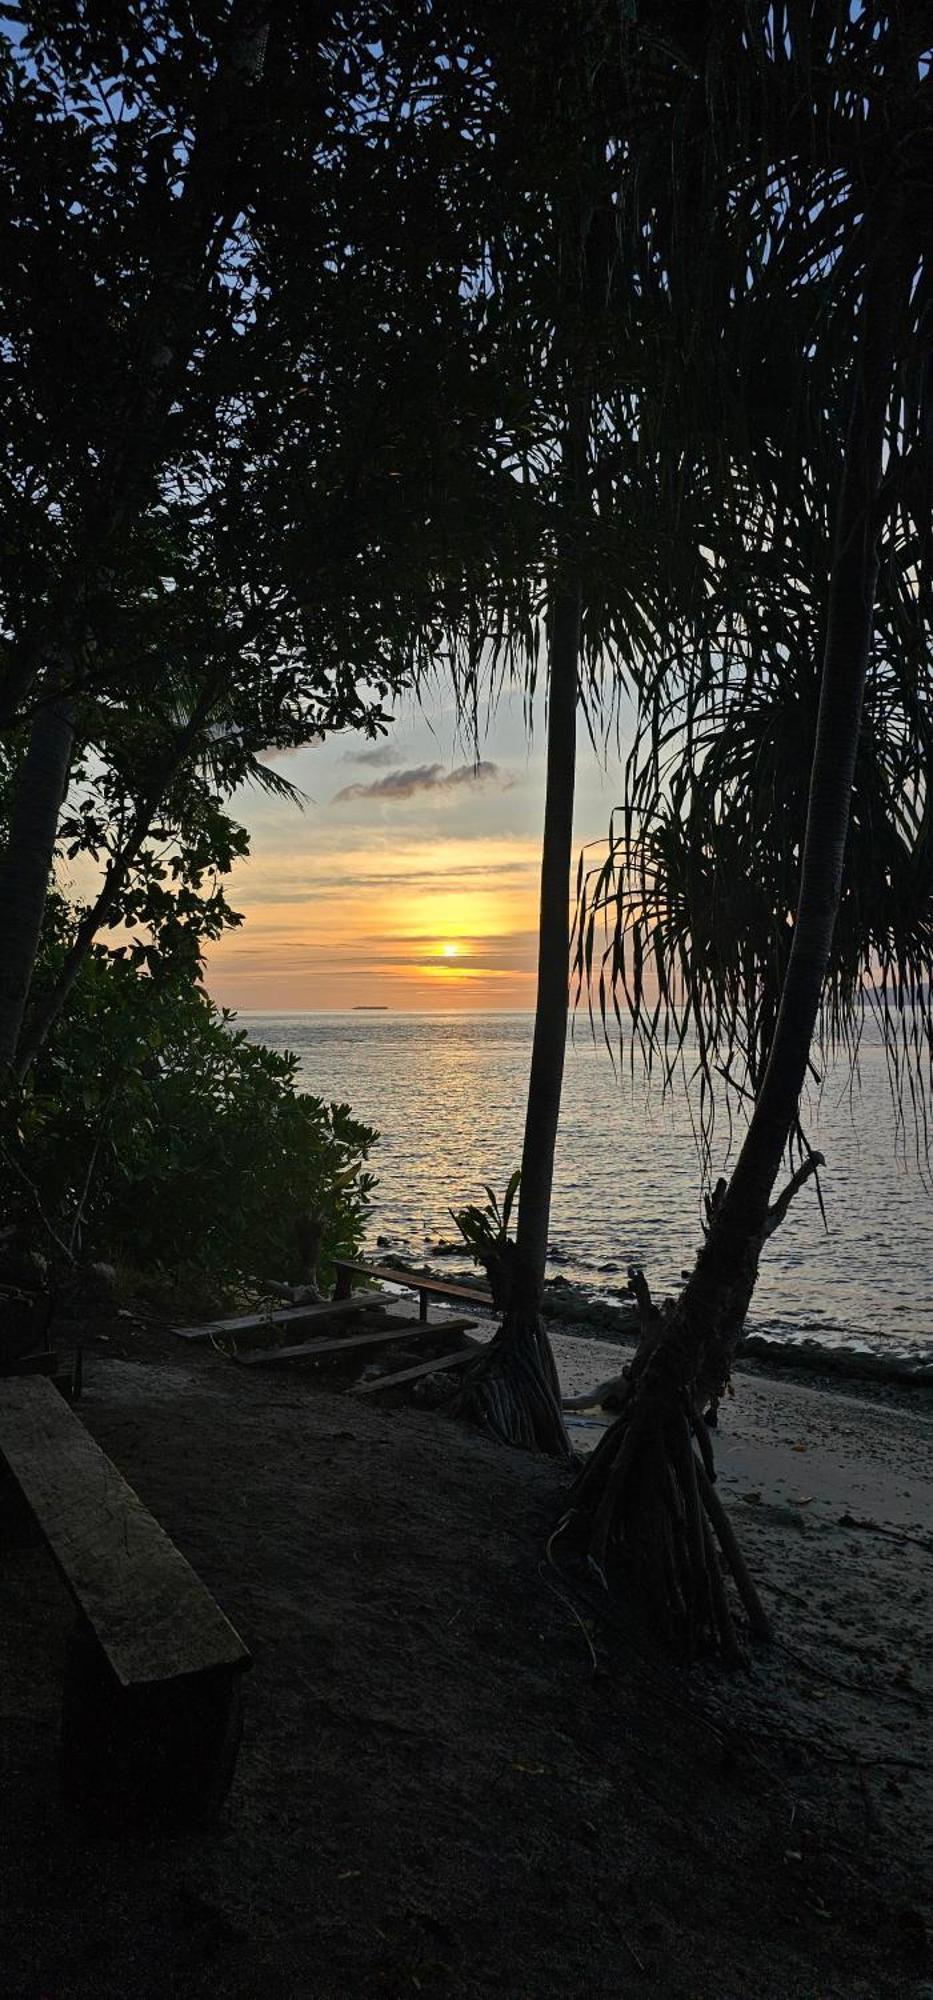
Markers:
<point>437,1792</point>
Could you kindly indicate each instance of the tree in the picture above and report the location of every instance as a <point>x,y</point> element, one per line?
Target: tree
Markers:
<point>645,477</point>
<point>556,260</point>
<point>646,1504</point>
<point>91,157</point>
<point>158,512</point>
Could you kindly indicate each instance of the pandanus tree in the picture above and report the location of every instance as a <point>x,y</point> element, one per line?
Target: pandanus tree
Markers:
<point>857,923</point>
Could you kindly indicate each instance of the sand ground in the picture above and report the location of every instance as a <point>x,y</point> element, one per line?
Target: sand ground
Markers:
<point>459,1775</point>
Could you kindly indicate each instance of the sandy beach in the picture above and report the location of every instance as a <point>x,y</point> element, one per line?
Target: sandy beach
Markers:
<point>461,1772</point>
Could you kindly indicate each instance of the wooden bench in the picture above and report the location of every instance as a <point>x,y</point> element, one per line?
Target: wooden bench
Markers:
<point>151,1708</point>
<point>426,1286</point>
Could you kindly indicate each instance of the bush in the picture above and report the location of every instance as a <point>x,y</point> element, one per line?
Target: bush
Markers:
<point>154,1133</point>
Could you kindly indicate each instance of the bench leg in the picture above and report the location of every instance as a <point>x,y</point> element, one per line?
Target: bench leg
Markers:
<point>422,1305</point>
<point>18,1529</point>
<point>143,1757</point>
<point>342,1287</point>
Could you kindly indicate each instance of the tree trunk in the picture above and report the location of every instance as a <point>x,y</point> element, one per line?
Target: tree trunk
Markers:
<point>545,1080</point>
<point>48,1007</point>
<point>27,864</point>
<point>645,1504</point>
<point>514,1390</point>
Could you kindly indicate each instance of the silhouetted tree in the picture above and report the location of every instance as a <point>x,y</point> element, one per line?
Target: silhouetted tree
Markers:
<point>645,1507</point>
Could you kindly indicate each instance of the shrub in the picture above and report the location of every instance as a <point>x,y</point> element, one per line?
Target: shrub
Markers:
<point>154,1133</point>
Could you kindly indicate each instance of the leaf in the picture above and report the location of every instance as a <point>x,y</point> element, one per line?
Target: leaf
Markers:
<point>510,1194</point>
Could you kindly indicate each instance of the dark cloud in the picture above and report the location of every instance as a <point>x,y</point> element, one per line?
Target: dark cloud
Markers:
<point>424,778</point>
<point>379,759</point>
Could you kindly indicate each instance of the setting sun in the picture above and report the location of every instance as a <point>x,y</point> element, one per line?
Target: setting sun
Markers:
<point>431,923</point>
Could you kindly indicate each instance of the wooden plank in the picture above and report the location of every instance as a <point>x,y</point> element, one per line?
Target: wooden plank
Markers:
<point>457,1360</point>
<point>313,1350</point>
<point>152,1615</point>
<point>257,1322</point>
<point>418,1281</point>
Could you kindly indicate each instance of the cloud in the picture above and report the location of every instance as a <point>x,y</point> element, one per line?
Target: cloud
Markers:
<point>377,760</point>
<point>313,886</point>
<point>424,778</point>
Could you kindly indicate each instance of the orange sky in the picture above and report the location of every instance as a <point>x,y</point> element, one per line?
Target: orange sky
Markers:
<point>407,881</point>
<point>446,924</point>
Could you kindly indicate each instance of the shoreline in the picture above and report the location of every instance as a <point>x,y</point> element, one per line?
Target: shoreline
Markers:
<point>871,1360</point>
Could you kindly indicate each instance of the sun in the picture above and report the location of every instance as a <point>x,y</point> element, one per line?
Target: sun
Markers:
<point>449,950</point>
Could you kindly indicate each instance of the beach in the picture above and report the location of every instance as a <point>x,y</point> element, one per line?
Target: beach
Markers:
<point>462,1771</point>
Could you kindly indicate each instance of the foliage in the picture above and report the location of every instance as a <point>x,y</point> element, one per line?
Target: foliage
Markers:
<point>154,1132</point>
<point>687,922</point>
<point>173,436</point>
<point>485,1231</point>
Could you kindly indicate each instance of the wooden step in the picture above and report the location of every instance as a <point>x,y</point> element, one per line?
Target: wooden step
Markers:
<point>321,1350</point>
<point>258,1322</point>
<point>457,1360</point>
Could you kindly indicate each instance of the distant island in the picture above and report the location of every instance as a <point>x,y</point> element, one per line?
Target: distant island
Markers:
<point>364,1009</point>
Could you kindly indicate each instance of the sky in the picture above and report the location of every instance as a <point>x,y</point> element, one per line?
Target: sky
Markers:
<point>409,879</point>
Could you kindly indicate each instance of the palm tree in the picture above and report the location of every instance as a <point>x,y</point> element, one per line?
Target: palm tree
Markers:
<point>513,1391</point>
<point>609,603</point>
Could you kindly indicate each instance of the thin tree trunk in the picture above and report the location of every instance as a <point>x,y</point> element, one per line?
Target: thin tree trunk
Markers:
<point>514,1390</point>
<point>47,1009</point>
<point>552,999</point>
<point>45,1012</point>
<point>27,864</point>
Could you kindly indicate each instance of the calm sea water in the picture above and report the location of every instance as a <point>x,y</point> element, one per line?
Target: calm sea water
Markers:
<point>446,1093</point>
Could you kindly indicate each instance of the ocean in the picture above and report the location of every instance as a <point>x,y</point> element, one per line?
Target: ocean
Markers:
<point>446,1093</point>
